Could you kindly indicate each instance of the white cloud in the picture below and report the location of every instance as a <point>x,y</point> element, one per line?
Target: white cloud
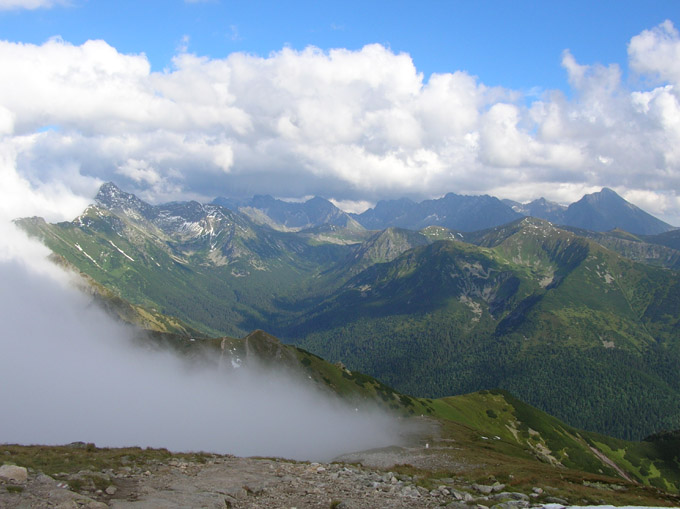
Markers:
<point>352,206</point>
<point>657,52</point>
<point>355,125</point>
<point>30,4</point>
<point>140,171</point>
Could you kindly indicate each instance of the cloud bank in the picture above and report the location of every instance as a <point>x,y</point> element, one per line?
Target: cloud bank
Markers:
<point>69,373</point>
<point>354,126</point>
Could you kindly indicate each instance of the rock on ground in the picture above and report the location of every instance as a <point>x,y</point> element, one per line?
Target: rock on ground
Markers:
<point>13,473</point>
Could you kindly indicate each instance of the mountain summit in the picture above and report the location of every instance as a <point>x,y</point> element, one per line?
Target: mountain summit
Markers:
<point>111,197</point>
<point>607,210</point>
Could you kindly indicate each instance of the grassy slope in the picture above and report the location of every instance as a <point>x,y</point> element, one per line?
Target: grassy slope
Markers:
<point>523,447</point>
<point>577,330</point>
<point>152,271</point>
<point>487,420</point>
<point>558,320</point>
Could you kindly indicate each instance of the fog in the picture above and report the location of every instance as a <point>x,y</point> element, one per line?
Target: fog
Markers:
<point>69,373</point>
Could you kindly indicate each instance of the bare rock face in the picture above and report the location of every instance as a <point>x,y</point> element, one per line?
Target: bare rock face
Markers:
<point>12,473</point>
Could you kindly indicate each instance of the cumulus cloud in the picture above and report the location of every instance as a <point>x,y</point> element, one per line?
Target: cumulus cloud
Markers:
<point>657,52</point>
<point>354,126</point>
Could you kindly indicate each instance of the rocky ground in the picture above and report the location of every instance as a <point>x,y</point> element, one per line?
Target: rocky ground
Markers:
<point>231,482</point>
<point>408,476</point>
<point>248,482</point>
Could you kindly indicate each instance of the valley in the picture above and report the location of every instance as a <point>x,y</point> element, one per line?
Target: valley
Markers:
<point>568,320</point>
<point>534,350</point>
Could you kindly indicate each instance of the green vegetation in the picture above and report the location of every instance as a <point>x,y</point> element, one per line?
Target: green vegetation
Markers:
<point>518,432</point>
<point>550,315</point>
<point>52,460</point>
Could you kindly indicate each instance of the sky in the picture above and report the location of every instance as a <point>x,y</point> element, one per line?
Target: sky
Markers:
<point>352,101</point>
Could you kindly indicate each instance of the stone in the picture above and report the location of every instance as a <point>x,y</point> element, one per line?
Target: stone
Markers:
<point>511,495</point>
<point>483,488</point>
<point>457,494</point>
<point>13,473</point>
<point>111,490</point>
<point>512,504</point>
<point>556,500</point>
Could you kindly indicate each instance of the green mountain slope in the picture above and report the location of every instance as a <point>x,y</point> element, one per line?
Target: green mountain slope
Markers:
<point>567,325</point>
<point>521,438</point>
<point>506,426</point>
<point>562,322</point>
<point>210,267</point>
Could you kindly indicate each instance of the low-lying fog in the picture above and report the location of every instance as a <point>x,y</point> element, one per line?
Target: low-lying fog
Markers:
<point>70,373</point>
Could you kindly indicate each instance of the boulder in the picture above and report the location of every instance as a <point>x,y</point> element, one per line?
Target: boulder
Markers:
<point>13,473</point>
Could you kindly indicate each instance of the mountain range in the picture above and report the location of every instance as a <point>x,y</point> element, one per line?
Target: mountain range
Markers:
<point>600,212</point>
<point>582,324</point>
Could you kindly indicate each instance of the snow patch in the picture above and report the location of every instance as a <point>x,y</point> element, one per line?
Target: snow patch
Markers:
<point>87,255</point>
<point>122,252</point>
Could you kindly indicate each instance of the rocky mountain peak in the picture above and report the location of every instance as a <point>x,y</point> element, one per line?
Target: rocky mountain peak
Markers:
<point>113,198</point>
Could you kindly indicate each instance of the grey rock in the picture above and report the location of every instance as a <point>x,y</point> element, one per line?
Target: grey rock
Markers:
<point>483,488</point>
<point>511,495</point>
<point>512,504</point>
<point>13,473</point>
<point>556,500</point>
<point>458,495</point>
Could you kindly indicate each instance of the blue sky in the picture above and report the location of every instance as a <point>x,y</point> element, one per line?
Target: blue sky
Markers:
<point>194,99</point>
<point>515,44</point>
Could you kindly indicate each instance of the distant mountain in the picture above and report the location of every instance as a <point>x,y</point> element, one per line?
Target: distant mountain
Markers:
<point>283,215</point>
<point>606,211</point>
<point>540,208</point>
<point>662,250</point>
<point>457,212</point>
<point>669,239</point>
<point>384,246</point>
<point>600,212</point>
